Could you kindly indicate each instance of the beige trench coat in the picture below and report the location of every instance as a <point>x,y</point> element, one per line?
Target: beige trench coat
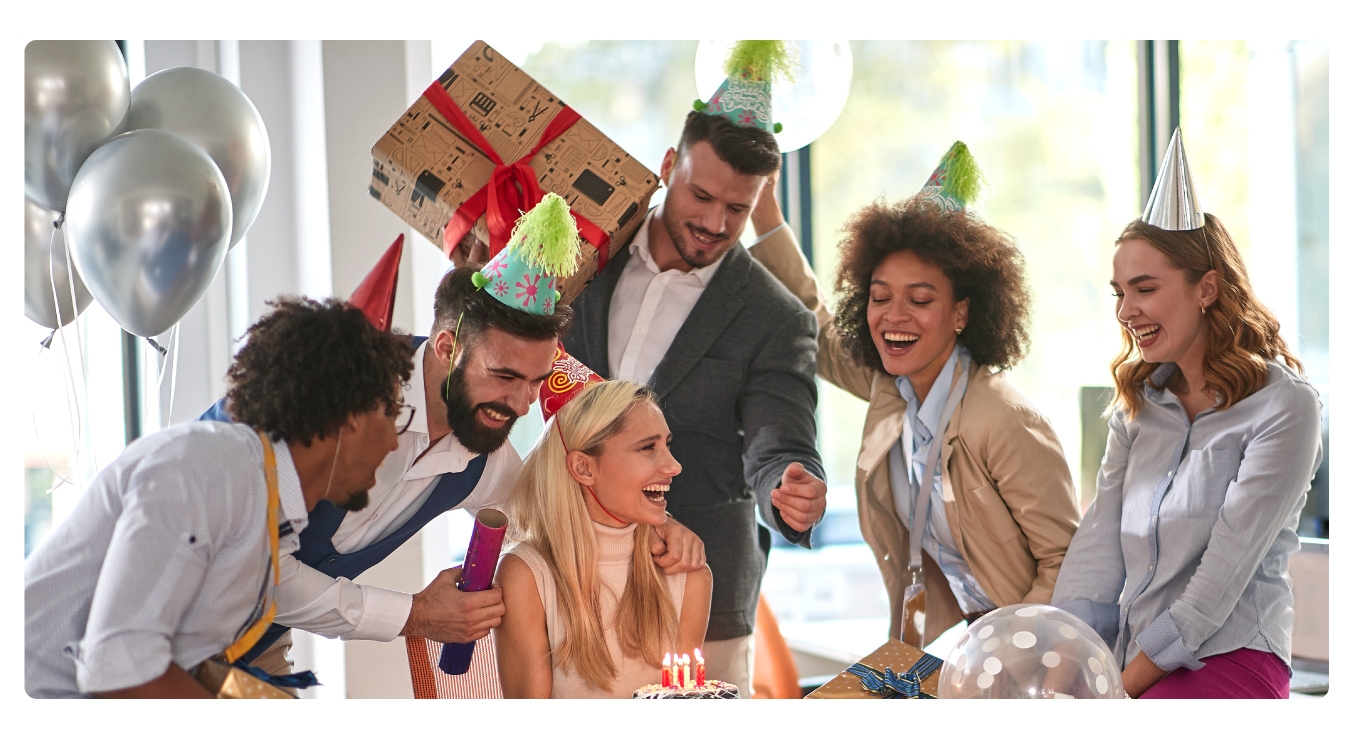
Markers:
<point>1007,489</point>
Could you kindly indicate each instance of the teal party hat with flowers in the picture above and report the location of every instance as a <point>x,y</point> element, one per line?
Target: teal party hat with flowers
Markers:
<point>744,97</point>
<point>543,249</point>
<point>956,182</point>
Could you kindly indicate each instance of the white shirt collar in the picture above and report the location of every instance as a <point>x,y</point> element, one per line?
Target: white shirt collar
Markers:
<point>415,395</point>
<point>448,455</point>
<point>292,497</point>
<point>639,246</point>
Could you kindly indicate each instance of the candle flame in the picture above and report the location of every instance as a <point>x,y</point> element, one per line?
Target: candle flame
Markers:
<point>698,657</point>
<point>666,659</point>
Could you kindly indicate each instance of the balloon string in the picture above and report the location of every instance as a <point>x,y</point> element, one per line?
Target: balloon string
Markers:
<point>73,412</point>
<point>173,377</point>
<point>33,415</point>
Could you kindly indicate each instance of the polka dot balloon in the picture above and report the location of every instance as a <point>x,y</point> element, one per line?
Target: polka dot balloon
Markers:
<point>1030,651</point>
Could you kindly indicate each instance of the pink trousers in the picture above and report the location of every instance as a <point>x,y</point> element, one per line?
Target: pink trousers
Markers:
<point>1238,674</point>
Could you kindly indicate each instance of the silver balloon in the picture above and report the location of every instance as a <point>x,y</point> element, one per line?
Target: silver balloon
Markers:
<point>148,225</point>
<point>44,256</point>
<point>213,113</point>
<point>76,95</point>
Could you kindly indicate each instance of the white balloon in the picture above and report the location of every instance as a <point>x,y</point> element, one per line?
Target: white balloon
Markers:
<point>1030,652</point>
<point>808,106</point>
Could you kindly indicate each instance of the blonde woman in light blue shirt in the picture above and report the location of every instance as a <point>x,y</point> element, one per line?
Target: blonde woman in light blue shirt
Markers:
<point>1214,438</point>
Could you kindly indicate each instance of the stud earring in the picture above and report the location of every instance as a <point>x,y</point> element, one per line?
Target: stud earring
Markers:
<point>959,331</point>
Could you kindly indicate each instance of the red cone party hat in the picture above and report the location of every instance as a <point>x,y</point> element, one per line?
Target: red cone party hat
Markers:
<point>375,295</point>
<point>569,377</point>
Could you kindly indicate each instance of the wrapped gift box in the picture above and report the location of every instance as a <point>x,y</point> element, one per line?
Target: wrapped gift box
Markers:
<point>896,655</point>
<point>427,165</point>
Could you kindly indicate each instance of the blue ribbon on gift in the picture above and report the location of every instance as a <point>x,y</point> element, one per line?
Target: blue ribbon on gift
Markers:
<point>303,679</point>
<point>891,685</point>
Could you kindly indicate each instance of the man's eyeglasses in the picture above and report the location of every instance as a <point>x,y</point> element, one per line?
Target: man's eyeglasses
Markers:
<point>403,417</point>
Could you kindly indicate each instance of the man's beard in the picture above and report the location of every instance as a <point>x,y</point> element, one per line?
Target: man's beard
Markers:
<point>693,257</point>
<point>356,502</point>
<point>463,417</point>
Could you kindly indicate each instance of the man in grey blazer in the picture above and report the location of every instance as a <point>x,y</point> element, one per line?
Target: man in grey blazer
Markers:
<point>731,353</point>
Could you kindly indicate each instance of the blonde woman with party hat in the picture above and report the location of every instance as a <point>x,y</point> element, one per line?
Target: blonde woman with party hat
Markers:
<point>1214,437</point>
<point>589,614</point>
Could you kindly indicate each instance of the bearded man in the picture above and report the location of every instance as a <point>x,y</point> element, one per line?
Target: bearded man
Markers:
<point>477,373</point>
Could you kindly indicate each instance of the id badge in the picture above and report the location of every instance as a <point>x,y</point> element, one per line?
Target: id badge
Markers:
<point>913,612</point>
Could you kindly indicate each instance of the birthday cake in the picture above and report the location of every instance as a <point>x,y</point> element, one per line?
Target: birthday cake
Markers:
<point>712,689</point>
<point>679,681</point>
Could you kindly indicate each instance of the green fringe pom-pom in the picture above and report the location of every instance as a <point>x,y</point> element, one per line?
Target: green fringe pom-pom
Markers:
<point>549,235</point>
<point>964,176</point>
<point>701,106</point>
<point>479,279</point>
<point>779,127</point>
<point>763,60</point>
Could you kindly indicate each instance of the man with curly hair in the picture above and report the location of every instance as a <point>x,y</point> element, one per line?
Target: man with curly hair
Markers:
<point>166,558</point>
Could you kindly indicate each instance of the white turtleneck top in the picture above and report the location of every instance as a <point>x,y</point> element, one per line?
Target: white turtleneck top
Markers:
<point>614,549</point>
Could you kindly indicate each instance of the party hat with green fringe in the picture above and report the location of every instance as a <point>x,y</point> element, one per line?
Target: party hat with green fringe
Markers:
<point>744,97</point>
<point>542,250</point>
<point>956,182</point>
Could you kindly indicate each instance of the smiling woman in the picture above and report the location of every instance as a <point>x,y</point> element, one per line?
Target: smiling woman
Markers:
<point>1213,440</point>
<point>589,613</point>
<point>934,303</point>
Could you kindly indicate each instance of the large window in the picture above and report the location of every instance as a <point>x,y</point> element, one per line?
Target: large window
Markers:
<point>1256,119</point>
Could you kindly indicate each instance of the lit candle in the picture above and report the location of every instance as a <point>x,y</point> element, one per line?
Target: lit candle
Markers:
<point>685,671</point>
<point>666,671</point>
<point>699,668</point>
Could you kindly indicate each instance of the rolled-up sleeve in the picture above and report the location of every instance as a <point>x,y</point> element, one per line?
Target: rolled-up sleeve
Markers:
<point>1092,575</point>
<point>336,607</point>
<point>1269,489</point>
<point>157,559</point>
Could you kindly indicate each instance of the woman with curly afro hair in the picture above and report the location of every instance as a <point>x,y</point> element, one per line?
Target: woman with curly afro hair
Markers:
<point>934,306</point>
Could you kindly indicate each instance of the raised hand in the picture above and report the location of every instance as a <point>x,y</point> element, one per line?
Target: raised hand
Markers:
<point>800,497</point>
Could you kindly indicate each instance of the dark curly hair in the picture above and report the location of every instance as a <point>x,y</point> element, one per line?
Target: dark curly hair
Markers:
<point>981,263</point>
<point>308,365</point>
<point>474,310</point>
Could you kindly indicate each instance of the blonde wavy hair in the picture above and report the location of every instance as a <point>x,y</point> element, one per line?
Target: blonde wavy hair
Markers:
<point>1242,333</point>
<point>547,512</point>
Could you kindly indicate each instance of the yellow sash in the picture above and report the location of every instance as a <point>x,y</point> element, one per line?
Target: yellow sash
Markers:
<point>247,640</point>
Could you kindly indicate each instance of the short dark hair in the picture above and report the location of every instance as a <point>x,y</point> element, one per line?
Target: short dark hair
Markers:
<point>747,150</point>
<point>981,263</point>
<point>308,365</point>
<point>474,311</point>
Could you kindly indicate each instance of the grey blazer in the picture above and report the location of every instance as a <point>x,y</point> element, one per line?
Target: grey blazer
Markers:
<point>738,392</point>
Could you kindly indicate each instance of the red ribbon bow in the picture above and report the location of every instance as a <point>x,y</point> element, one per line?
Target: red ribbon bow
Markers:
<point>512,188</point>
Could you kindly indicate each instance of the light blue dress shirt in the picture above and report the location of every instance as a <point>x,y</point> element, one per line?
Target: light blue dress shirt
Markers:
<point>1183,553</point>
<point>906,460</point>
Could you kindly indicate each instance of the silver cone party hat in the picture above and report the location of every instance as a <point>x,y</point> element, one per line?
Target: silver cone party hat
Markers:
<point>1173,203</point>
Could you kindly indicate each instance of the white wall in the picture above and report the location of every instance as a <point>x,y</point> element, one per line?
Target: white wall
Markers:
<point>318,233</point>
